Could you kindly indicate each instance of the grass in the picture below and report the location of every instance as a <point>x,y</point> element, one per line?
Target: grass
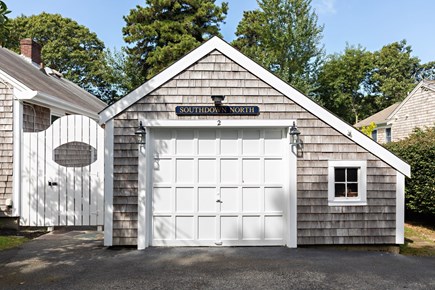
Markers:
<point>419,240</point>
<point>7,242</point>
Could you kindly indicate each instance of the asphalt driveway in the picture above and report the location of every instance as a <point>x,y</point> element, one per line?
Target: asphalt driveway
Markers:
<point>78,260</point>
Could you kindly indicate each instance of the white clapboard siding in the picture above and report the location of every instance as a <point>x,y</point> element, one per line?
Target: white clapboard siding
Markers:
<point>78,197</point>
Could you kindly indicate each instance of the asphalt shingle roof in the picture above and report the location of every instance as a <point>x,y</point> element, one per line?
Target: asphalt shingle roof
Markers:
<point>35,79</point>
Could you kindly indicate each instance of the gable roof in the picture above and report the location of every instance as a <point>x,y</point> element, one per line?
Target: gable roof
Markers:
<point>223,47</point>
<point>429,85</point>
<point>380,117</point>
<point>37,85</point>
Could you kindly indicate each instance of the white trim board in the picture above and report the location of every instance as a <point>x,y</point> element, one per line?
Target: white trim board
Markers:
<point>218,44</point>
<point>218,123</point>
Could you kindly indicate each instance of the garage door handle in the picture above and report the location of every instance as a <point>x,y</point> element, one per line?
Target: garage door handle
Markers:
<point>219,201</point>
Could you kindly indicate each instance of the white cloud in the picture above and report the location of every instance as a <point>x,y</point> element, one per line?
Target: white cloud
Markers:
<point>324,6</point>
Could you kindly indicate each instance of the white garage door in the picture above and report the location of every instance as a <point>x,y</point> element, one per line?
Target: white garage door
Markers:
<point>218,187</point>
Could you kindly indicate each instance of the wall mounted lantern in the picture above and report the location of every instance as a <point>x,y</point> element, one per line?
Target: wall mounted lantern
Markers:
<point>217,100</point>
<point>295,136</point>
<point>140,133</point>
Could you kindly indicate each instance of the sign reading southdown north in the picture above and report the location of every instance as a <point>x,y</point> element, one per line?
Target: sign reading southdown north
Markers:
<point>217,110</point>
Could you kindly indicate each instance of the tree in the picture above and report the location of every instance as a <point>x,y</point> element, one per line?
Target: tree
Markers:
<point>67,47</point>
<point>4,27</point>
<point>343,84</point>
<point>165,30</point>
<point>395,73</point>
<point>284,37</point>
<point>357,83</point>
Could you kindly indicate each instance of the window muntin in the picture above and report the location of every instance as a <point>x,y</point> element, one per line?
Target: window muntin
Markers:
<point>347,182</point>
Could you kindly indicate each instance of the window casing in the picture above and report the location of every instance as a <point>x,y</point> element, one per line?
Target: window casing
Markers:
<point>375,135</point>
<point>347,183</point>
<point>388,135</point>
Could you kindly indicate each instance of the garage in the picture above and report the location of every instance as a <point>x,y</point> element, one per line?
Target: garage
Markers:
<point>217,151</point>
<point>218,187</point>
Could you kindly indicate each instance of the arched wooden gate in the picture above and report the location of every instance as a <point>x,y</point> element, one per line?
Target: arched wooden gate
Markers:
<point>62,180</point>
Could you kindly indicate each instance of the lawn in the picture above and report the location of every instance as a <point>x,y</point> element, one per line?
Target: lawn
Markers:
<point>419,240</point>
<point>7,242</point>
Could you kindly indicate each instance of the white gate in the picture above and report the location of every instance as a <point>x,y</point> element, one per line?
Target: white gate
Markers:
<point>62,174</point>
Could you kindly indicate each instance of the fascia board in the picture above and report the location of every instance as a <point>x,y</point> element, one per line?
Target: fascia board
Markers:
<point>52,101</point>
<point>218,44</point>
<point>417,87</point>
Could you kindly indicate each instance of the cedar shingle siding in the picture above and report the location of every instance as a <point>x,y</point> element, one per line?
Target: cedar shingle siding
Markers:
<point>35,118</point>
<point>317,222</point>
<point>418,111</point>
<point>6,146</point>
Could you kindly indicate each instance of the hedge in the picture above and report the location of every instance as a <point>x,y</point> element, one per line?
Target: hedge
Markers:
<point>418,150</point>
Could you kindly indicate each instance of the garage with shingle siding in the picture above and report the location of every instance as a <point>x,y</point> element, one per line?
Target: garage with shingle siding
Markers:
<point>209,177</point>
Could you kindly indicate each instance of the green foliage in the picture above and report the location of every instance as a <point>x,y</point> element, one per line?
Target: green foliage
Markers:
<point>341,83</point>
<point>394,75</point>
<point>418,150</point>
<point>165,30</point>
<point>368,129</point>
<point>283,36</point>
<point>4,22</point>
<point>358,83</point>
<point>67,47</point>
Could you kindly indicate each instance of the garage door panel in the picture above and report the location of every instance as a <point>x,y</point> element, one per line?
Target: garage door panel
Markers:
<point>185,227</point>
<point>230,199</point>
<point>207,200</point>
<point>185,170</point>
<point>229,171</point>
<point>162,170</point>
<point>229,227</point>
<point>273,227</point>
<point>251,171</point>
<point>229,142</point>
<point>206,142</point>
<point>251,142</point>
<point>272,142</point>
<point>251,199</point>
<point>207,171</point>
<point>162,199</point>
<point>251,228</point>
<point>163,228</point>
<point>271,175</point>
<point>184,142</point>
<point>163,144</point>
<point>184,199</point>
<point>273,199</point>
<point>207,228</point>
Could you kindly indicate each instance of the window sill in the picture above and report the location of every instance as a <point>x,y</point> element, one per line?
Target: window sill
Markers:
<point>347,203</point>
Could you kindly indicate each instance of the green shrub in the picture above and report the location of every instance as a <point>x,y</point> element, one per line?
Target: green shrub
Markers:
<point>418,150</point>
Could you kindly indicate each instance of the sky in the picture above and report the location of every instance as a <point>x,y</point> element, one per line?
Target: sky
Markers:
<point>369,23</point>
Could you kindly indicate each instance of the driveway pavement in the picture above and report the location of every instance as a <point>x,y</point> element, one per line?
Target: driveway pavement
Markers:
<point>78,260</point>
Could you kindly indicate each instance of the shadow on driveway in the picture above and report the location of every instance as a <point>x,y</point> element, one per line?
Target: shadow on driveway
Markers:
<point>78,260</point>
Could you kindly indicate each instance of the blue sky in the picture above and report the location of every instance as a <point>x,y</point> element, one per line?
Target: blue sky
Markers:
<point>371,23</point>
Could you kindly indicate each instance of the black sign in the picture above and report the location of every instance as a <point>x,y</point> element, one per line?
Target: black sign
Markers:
<point>217,110</point>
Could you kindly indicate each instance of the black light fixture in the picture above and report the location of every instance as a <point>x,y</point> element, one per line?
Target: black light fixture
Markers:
<point>141,133</point>
<point>217,99</point>
<point>294,136</point>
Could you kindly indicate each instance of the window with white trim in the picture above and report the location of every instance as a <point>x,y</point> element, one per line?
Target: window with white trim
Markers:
<point>375,135</point>
<point>347,183</point>
<point>388,135</point>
